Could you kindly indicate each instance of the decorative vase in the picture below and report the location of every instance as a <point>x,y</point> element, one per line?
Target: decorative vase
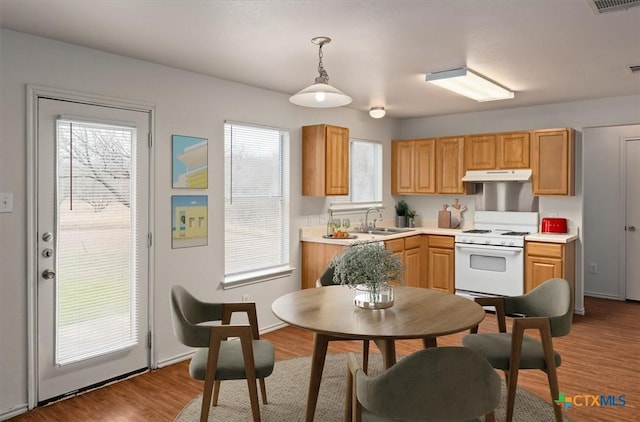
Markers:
<point>378,296</point>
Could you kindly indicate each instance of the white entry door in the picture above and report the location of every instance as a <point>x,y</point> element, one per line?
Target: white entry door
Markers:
<point>632,222</point>
<point>92,228</point>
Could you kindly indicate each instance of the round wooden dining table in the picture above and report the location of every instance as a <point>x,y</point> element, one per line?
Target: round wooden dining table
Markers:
<point>329,312</point>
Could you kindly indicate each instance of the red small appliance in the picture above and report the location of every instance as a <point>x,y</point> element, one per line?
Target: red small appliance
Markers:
<point>554,225</point>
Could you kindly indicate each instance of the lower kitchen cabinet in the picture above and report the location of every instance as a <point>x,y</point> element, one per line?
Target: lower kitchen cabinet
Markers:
<point>315,259</point>
<point>408,249</point>
<point>441,263</point>
<point>549,260</point>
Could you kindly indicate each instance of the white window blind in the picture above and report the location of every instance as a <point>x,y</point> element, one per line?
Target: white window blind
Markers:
<point>365,174</point>
<point>256,203</point>
<point>96,272</point>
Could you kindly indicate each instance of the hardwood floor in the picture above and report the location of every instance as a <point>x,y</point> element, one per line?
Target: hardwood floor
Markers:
<point>599,356</point>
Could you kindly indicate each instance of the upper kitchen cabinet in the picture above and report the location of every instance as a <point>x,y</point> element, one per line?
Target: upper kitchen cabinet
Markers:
<point>480,152</point>
<point>413,166</point>
<point>497,151</point>
<point>325,160</point>
<point>450,165</point>
<point>553,162</point>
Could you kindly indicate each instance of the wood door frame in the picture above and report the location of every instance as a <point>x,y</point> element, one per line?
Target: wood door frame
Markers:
<point>34,93</point>
<point>622,259</point>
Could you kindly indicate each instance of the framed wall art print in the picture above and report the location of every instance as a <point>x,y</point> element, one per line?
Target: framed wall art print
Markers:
<point>189,162</point>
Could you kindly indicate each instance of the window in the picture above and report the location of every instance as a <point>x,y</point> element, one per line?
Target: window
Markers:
<point>256,203</point>
<point>365,174</point>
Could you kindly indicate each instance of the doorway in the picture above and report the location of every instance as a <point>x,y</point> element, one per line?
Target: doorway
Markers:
<point>91,243</point>
<point>632,218</point>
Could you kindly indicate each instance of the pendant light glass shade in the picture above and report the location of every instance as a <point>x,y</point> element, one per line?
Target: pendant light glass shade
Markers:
<point>320,94</point>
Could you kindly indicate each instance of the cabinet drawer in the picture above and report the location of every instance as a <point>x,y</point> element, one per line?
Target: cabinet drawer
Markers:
<point>441,242</point>
<point>395,245</point>
<point>411,242</point>
<point>544,249</point>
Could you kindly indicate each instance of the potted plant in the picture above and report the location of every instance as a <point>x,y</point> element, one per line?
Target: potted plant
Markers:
<point>368,267</point>
<point>401,213</point>
<point>411,218</point>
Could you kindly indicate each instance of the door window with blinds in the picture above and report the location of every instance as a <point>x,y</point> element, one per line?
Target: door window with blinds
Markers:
<point>96,294</point>
<point>256,207</point>
<point>365,174</point>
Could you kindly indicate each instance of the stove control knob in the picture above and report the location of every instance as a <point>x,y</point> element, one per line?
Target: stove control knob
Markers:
<point>503,242</point>
<point>511,243</point>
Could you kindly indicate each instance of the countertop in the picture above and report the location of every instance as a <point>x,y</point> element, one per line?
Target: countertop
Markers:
<point>314,234</point>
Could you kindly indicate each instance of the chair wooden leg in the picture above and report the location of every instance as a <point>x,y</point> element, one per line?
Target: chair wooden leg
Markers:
<point>490,417</point>
<point>511,393</point>
<point>210,376</point>
<point>555,392</point>
<point>365,355</point>
<point>216,392</point>
<point>263,390</point>
<point>250,370</point>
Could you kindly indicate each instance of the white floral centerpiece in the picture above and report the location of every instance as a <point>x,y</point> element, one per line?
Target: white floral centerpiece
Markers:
<point>368,267</point>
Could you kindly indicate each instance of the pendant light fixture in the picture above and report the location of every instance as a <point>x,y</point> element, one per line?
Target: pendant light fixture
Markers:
<point>320,94</point>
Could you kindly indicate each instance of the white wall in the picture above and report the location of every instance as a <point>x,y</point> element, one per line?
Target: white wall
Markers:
<point>186,103</point>
<point>604,209</point>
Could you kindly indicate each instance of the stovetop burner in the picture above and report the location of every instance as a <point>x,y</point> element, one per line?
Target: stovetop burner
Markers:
<point>515,234</point>
<point>476,231</point>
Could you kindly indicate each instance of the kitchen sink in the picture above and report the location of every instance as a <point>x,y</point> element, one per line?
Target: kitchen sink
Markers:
<point>386,231</point>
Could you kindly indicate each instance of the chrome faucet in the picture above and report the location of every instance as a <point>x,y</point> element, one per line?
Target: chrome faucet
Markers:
<point>373,223</point>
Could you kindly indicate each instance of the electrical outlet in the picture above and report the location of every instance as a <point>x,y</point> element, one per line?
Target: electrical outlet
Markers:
<point>245,297</point>
<point>593,268</point>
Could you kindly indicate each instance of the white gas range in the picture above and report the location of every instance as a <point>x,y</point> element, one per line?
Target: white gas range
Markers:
<point>489,259</point>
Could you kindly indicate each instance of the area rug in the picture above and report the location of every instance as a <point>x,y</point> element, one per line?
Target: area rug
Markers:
<point>287,396</point>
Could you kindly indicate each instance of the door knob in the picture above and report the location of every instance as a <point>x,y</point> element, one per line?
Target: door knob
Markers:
<point>48,274</point>
<point>631,228</point>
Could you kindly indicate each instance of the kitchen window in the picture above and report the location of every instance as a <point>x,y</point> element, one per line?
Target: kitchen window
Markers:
<point>256,203</point>
<point>365,176</point>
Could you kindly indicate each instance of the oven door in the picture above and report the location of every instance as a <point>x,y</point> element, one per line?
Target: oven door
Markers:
<point>493,270</point>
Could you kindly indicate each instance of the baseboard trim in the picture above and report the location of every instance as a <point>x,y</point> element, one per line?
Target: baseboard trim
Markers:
<point>14,411</point>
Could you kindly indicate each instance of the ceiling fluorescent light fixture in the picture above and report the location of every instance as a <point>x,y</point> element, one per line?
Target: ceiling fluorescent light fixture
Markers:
<point>377,112</point>
<point>320,94</point>
<point>465,81</point>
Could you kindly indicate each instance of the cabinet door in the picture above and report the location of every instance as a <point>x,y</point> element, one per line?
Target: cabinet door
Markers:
<point>315,259</point>
<point>450,165</point>
<point>513,150</point>
<point>425,166</point>
<point>337,164</point>
<point>552,162</point>
<point>412,267</point>
<point>480,152</point>
<point>441,269</point>
<point>402,167</point>
<point>539,269</point>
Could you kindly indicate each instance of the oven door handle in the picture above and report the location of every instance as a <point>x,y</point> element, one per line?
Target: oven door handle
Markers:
<point>512,250</point>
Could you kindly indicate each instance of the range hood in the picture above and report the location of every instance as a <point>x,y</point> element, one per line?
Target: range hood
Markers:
<point>482,176</point>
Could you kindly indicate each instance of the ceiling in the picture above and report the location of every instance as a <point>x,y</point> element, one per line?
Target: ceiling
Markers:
<point>547,51</point>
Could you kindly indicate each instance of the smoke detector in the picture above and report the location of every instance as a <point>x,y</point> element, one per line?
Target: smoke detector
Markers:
<point>603,6</point>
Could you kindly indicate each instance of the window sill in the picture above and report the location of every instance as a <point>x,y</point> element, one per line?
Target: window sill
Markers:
<point>238,280</point>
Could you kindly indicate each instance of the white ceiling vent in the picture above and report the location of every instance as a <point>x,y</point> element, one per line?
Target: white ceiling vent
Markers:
<point>602,6</point>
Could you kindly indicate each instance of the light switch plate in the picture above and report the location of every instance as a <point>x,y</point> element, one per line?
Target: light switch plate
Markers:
<point>6,202</point>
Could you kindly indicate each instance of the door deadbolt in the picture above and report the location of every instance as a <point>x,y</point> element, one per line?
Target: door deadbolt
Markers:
<point>47,236</point>
<point>48,274</point>
<point>47,253</point>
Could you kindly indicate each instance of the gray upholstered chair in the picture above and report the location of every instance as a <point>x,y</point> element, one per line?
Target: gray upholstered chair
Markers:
<point>435,384</point>
<point>218,358</point>
<point>326,279</point>
<point>548,310</point>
